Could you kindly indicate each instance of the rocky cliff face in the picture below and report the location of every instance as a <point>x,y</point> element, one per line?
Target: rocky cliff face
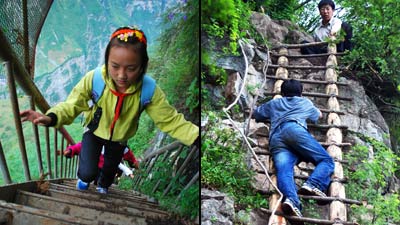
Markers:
<point>361,114</point>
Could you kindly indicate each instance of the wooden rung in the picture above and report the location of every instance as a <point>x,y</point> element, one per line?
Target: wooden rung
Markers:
<point>345,144</point>
<point>311,94</point>
<point>303,177</point>
<point>267,152</point>
<point>299,67</point>
<point>331,111</point>
<point>306,81</point>
<point>311,125</point>
<point>308,56</point>
<point>327,126</point>
<point>330,199</point>
<point>291,46</point>
<point>308,220</point>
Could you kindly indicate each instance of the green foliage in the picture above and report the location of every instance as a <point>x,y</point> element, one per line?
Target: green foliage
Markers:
<point>187,205</point>
<point>192,100</point>
<point>143,137</point>
<point>375,24</point>
<point>177,63</point>
<point>221,18</point>
<point>370,173</point>
<point>281,10</point>
<point>307,16</point>
<point>10,143</point>
<point>223,164</point>
<point>214,75</point>
<point>125,183</point>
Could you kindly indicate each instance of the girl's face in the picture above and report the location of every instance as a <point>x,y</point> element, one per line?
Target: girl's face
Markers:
<point>124,66</point>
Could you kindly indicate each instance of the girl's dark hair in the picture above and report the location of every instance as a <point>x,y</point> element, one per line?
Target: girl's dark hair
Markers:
<point>138,44</point>
<point>291,88</point>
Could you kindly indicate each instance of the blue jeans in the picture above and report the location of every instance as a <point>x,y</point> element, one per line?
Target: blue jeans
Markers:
<point>290,144</point>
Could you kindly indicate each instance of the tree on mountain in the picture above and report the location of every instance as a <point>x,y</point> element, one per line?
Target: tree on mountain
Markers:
<point>177,60</point>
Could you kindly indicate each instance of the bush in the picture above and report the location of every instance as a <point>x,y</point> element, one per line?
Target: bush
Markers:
<point>223,164</point>
<point>371,174</point>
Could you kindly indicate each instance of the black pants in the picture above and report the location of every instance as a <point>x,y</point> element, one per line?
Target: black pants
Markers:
<point>89,158</point>
<point>341,46</point>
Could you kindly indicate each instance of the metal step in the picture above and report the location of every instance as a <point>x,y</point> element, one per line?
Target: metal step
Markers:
<point>11,213</point>
<point>88,211</point>
<point>112,189</point>
<point>139,208</point>
<point>92,194</point>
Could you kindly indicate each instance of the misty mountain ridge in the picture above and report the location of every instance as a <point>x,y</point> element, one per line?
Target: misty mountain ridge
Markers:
<point>65,54</point>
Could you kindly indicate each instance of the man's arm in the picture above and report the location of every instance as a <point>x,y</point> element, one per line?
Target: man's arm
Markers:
<point>261,113</point>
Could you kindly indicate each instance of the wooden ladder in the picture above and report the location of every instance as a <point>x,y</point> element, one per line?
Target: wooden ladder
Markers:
<point>333,130</point>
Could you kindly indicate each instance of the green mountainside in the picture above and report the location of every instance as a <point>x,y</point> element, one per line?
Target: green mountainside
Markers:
<point>75,34</point>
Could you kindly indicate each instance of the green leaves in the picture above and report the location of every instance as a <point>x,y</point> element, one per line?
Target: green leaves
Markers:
<point>177,64</point>
<point>371,174</point>
<point>225,18</point>
<point>223,164</point>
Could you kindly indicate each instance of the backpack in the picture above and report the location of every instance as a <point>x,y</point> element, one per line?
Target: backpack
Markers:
<point>147,92</point>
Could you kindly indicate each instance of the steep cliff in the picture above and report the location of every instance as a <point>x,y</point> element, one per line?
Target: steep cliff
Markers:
<point>360,116</point>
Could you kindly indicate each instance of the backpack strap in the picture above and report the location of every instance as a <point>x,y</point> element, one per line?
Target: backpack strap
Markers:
<point>97,85</point>
<point>148,87</point>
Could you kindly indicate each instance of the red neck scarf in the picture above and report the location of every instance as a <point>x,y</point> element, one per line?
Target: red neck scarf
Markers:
<point>120,100</point>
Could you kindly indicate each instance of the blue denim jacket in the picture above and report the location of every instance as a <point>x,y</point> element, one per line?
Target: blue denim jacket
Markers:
<point>285,109</point>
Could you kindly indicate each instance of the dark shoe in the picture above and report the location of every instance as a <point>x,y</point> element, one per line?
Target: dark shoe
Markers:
<point>308,189</point>
<point>290,209</point>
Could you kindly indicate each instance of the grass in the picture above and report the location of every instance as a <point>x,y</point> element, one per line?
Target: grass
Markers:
<point>11,147</point>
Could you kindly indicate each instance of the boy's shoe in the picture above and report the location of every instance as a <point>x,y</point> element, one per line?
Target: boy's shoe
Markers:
<point>290,209</point>
<point>102,190</point>
<point>80,185</point>
<point>309,189</point>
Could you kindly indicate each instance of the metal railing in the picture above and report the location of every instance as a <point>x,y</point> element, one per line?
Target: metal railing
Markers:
<point>56,168</point>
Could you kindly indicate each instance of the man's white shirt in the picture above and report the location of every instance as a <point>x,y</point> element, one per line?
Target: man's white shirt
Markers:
<point>324,31</point>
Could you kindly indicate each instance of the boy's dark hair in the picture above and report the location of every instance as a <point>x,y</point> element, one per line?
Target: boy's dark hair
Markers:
<point>291,88</point>
<point>131,41</point>
<point>326,2</point>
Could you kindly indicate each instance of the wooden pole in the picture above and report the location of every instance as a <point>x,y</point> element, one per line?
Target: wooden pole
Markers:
<point>337,208</point>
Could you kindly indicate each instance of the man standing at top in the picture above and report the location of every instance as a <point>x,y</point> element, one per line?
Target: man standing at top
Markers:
<point>329,27</point>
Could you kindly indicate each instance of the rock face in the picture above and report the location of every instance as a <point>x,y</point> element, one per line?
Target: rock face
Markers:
<point>216,208</point>
<point>361,114</point>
